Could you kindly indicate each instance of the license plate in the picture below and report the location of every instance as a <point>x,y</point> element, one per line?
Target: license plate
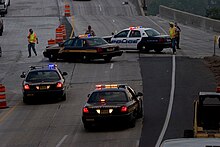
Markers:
<point>105,111</point>
<point>110,49</point>
<point>43,87</point>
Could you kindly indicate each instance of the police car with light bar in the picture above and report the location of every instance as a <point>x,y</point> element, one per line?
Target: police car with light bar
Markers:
<point>83,48</point>
<point>113,103</point>
<point>140,38</point>
<point>46,82</point>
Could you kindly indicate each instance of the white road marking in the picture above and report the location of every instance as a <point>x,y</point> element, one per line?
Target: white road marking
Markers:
<point>100,8</point>
<point>157,25</point>
<point>61,141</point>
<point>111,67</point>
<point>170,103</point>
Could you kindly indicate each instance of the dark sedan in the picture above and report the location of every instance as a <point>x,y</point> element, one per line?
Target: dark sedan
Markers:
<point>43,82</point>
<point>83,48</point>
<point>112,104</point>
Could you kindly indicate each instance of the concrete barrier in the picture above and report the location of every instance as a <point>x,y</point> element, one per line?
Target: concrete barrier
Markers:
<point>189,19</point>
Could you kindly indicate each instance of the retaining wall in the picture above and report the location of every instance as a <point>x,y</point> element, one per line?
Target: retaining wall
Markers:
<point>189,19</point>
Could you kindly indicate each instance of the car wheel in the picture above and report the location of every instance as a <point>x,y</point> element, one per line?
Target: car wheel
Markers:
<point>63,97</point>
<point>87,127</point>
<point>107,59</point>
<point>25,100</point>
<point>53,58</point>
<point>188,133</point>
<point>1,32</point>
<point>132,122</point>
<point>86,58</point>
<point>140,111</point>
<point>158,50</point>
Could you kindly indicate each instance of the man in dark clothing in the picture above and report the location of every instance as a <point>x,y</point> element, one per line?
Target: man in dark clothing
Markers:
<point>90,31</point>
<point>178,30</point>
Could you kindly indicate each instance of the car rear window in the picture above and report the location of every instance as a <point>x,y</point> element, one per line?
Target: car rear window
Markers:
<point>96,41</point>
<point>43,76</point>
<point>109,96</point>
<point>152,32</point>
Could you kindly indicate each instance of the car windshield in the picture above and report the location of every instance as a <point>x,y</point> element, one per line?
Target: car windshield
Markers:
<point>109,96</point>
<point>95,41</point>
<point>46,76</point>
<point>152,32</point>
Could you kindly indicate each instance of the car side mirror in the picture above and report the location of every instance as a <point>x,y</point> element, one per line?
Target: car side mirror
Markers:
<point>64,73</point>
<point>139,94</point>
<point>61,44</point>
<point>23,75</point>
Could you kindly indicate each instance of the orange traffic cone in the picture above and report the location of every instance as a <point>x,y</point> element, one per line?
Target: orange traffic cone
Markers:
<point>67,10</point>
<point>3,103</point>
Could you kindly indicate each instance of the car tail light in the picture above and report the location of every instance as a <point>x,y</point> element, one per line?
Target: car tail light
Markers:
<point>26,87</point>
<point>161,40</point>
<point>59,85</point>
<point>99,50</point>
<point>124,109</point>
<point>85,110</point>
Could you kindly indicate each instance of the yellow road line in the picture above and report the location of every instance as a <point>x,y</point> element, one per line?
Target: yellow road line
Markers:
<point>8,113</point>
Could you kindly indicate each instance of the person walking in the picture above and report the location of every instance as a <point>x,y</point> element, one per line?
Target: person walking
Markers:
<point>32,40</point>
<point>90,31</point>
<point>172,32</point>
<point>178,30</point>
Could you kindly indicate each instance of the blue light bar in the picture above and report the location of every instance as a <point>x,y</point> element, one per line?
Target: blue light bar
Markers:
<point>51,66</point>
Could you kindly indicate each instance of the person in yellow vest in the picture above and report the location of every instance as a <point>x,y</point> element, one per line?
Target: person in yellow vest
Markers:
<point>32,40</point>
<point>172,32</point>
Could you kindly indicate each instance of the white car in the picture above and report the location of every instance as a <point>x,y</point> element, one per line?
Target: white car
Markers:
<point>4,6</point>
<point>139,38</point>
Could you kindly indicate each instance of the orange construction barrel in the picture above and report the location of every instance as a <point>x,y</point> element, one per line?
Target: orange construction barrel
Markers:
<point>3,103</point>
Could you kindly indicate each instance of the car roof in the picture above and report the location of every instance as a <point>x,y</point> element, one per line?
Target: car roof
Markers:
<point>191,142</point>
<point>138,28</point>
<point>50,67</point>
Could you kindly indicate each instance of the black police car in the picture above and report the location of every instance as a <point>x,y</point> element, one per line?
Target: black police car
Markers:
<point>84,48</point>
<point>43,82</point>
<point>114,103</point>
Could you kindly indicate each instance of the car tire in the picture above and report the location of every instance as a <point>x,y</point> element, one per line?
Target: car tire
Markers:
<point>52,58</point>
<point>86,59</point>
<point>87,127</point>
<point>188,134</point>
<point>140,111</point>
<point>107,59</point>
<point>25,100</point>
<point>63,97</point>
<point>158,50</point>
<point>1,31</point>
<point>132,122</point>
<point>6,12</point>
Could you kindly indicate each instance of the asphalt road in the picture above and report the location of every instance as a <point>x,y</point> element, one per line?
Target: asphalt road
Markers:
<point>59,123</point>
<point>190,76</point>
